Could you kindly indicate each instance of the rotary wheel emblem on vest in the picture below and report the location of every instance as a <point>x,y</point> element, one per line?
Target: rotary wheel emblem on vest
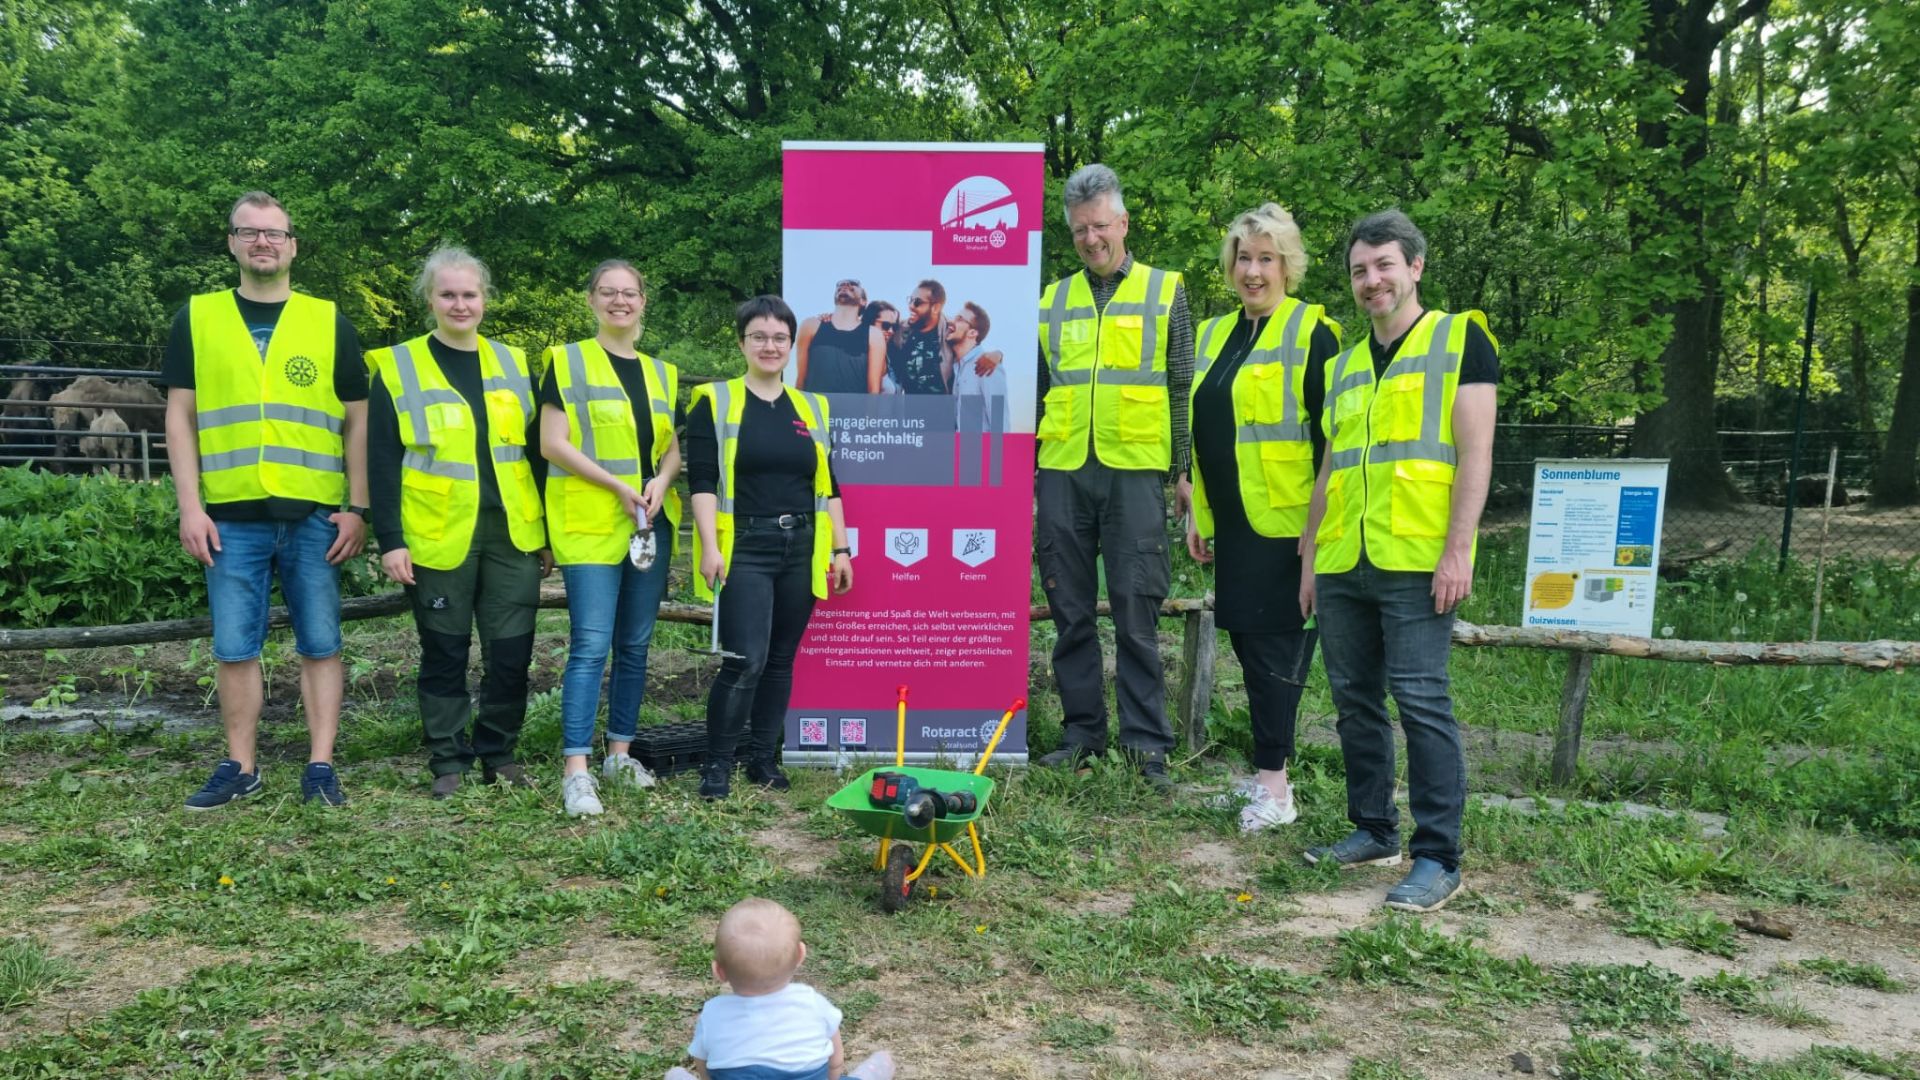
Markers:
<point>302,371</point>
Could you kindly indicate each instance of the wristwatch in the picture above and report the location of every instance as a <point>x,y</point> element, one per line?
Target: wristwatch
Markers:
<point>360,510</point>
<point>847,551</point>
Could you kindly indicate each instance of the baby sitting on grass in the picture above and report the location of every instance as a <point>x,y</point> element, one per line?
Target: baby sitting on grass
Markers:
<point>769,1027</point>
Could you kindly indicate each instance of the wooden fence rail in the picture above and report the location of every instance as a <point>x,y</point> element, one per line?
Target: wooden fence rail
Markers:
<point>1194,693</point>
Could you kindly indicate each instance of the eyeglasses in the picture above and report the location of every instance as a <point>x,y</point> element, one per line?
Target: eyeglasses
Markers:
<point>247,234</point>
<point>1080,232</point>
<point>919,301</point>
<point>761,341</point>
<point>886,325</point>
<point>607,293</point>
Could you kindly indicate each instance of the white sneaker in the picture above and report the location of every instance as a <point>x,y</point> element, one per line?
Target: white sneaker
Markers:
<point>1263,811</point>
<point>1236,796</point>
<point>580,796</point>
<point>626,769</point>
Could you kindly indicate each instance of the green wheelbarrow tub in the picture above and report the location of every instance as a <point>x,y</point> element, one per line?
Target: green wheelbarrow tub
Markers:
<point>851,802</point>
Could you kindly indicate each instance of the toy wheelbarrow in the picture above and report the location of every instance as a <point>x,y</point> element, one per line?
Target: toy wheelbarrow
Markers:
<point>905,805</point>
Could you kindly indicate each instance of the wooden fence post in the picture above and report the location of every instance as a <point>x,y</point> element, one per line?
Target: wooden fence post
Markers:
<point>1573,714</point>
<point>1196,676</point>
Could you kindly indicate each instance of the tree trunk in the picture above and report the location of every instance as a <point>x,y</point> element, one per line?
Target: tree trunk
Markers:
<point>1678,45</point>
<point>1893,481</point>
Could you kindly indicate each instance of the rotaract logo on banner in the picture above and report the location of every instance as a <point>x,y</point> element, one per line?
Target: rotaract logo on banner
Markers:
<point>979,225</point>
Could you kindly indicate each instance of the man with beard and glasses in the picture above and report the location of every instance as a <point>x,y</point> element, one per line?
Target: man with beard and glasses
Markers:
<point>841,353</point>
<point>919,361</point>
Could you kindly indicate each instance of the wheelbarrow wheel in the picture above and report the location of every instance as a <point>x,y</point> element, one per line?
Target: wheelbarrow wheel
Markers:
<point>895,889</point>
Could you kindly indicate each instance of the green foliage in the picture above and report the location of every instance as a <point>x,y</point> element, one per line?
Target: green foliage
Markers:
<point>27,970</point>
<point>1620,998</point>
<point>1848,973</point>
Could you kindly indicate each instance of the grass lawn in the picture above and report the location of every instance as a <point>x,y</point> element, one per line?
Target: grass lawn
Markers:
<point>1118,933</point>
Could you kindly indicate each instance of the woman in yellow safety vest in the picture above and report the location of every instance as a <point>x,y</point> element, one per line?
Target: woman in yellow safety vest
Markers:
<point>457,513</point>
<point>1255,403</point>
<point>607,421</point>
<point>769,535</point>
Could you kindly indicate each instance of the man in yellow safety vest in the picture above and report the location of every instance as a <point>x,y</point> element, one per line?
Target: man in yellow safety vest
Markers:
<point>1388,551</point>
<point>1116,345</point>
<point>267,438</point>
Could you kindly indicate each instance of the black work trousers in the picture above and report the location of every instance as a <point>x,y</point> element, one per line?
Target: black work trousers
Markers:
<point>1119,516</point>
<point>1275,667</point>
<point>765,605</point>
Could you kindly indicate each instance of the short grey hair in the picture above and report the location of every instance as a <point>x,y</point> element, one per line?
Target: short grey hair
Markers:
<point>449,257</point>
<point>1090,182</point>
<point>1393,226</point>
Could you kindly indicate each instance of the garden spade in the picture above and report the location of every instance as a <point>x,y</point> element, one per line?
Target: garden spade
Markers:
<point>714,648</point>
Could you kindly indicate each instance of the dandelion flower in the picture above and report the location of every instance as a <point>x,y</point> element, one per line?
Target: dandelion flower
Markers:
<point>660,891</point>
<point>1244,897</point>
<point>226,882</point>
<point>981,929</point>
<point>393,881</point>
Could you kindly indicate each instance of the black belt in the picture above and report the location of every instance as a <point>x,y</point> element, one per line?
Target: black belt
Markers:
<point>777,521</point>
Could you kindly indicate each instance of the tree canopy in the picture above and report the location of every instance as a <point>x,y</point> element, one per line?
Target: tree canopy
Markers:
<point>1639,193</point>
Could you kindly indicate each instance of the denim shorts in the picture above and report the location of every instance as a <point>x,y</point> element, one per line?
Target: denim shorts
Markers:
<point>240,586</point>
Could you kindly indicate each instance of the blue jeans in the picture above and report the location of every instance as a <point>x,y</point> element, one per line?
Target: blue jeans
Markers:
<point>1378,631</point>
<point>612,608</point>
<point>240,586</point>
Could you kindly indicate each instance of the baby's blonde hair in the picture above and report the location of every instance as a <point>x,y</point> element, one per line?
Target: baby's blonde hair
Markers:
<point>757,946</point>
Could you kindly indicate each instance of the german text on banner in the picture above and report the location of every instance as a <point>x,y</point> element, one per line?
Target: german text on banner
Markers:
<point>914,269</point>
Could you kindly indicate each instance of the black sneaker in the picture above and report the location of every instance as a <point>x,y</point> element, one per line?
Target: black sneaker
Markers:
<point>716,780</point>
<point>1069,757</point>
<point>225,785</point>
<point>1153,769</point>
<point>320,783</point>
<point>766,773</point>
<point>1359,848</point>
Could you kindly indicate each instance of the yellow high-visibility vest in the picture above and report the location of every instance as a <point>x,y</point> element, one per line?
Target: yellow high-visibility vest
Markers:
<point>1107,372</point>
<point>729,404</point>
<point>439,476</point>
<point>1273,440</point>
<point>1390,488</point>
<point>585,521</point>
<point>272,427</point>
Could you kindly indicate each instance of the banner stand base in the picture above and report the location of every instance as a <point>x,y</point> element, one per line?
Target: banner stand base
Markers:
<point>860,760</point>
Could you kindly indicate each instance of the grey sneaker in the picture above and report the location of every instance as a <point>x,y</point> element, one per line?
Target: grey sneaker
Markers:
<point>1427,887</point>
<point>1360,848</point>
<point>512,774</point>
<point>1263,811</point>
<point>580,796</point>
<point>445,785</point>
<point>626,769</point>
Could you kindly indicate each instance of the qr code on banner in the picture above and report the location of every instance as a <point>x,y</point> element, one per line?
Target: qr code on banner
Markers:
<point>813,731</point>
<point>853,731</point>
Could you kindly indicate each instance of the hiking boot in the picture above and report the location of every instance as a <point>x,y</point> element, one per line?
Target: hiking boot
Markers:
<point>1427,887</point>
<point>766,773</point>
<point>1264,811</point>
<point>1153,768</point>
<point>626,769</point>
<point>512,774</point>
<point>716,780</point>
<point>580,796</point>
<point>1078,758</point>
<point>445,785</point>
<point>225,785</point>
<point>321,784</point>
<point>1360,848</point>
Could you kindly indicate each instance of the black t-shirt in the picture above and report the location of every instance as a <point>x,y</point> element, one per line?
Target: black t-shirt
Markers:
<point>837,359</point>
<point>915,359</point>
<point>385,450</point>
<point>634,381</point>
<point>1479,363</point>
<point>773,468</point>
<point>349,384</point>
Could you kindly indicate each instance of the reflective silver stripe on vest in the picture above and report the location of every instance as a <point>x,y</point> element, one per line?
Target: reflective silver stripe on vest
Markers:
<point>505,454</point>
<point>1076,377</point>
<point>660,404</point>
<point>414,401</point>
<point>1058,315</point>
<point>1204,354</point>
<point>1130,377</point>
<point>579,393</point>
<point>305,459</point>
<point>227,416</point>
<point>724,434</point>
<point>1150,322</point>
<point>1436,364</point>
<point>822,438</point>
<point>1348,459</point>
<point>229,459</point>
<point>1285,431</point>
<point>427,463</point>
<point>300,414</point>
<point>515,379</point>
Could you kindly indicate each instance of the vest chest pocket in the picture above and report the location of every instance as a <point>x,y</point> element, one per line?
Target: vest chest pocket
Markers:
<point>1422,499</point>
<point>609,414</point>
<point>425,503</point>
<point>505,422</point>
<point>1143,414</point>
<point>1348,407</point>
<point>449,417</point>
<point>1120,341</point>
<point>1264,394</point>
<point>1398,409</point>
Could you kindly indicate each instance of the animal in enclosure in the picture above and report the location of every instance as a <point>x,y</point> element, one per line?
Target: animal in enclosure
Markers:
<point>105,442</point>
<point>72,417</point>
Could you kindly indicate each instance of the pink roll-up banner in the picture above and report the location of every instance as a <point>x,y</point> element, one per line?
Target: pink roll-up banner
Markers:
<point>933,436</point>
